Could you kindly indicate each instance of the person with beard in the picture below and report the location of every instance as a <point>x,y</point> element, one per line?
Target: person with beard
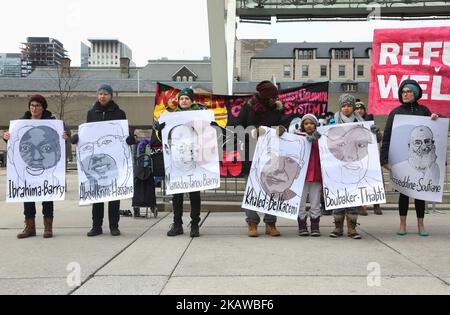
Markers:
<point>263,110</point>
<point>422,158</point>
<point>37,106</point>
<point>409,94</point>
<point>105,109</point>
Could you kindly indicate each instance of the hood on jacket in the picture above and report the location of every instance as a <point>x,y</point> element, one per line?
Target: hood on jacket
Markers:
<point>406,82</point>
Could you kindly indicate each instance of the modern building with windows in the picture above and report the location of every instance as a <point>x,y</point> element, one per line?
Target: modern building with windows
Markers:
<point>10,65</point>
<point>105,53</point>
<point>43,52</point>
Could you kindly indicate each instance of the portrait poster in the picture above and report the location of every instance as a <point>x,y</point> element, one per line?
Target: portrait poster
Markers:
<point>105,163</point>
<point>277,177</point>
<point>417,156</point>
<point>36,169</point>
<point>191,155</point>
<point>351,169</point>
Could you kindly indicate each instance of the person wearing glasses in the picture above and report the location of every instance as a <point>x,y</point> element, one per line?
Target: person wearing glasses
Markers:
<point>105,109</point>
<point>409,94</point>
<point>37,106</point>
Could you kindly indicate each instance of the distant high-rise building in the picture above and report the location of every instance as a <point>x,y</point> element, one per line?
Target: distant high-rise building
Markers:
<point>107,53</point>
<point>43,52</point>
<point>85,54</point>
<point>10,65</point>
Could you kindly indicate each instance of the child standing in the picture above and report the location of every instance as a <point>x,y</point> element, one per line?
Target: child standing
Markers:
<point>313,182</point>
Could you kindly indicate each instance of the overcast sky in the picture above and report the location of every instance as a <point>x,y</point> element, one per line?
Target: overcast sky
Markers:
<point>177,29</point>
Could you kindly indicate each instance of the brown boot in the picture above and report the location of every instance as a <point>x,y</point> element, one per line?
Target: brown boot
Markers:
<point>339,223</point>
<point>30,229</point>
<point>252,229</point>
<point>352,222</point>
<point>48,227</point>
<point>271,230</point>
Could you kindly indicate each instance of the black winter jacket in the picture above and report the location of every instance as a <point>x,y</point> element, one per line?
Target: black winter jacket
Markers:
<point>110,112</point>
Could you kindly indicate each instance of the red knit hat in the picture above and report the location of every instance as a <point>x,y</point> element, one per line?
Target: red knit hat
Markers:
<point>267,90</point>
<point>39,99</point>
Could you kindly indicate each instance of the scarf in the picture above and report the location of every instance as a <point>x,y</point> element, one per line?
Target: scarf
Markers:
<point>342,119</point>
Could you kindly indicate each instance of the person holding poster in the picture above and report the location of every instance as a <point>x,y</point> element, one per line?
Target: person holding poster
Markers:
<point>37,106</point>
<point>347,103</point>
<point>263,110</point>
<point>409,94</point>
<point>313,182</point>
<point>185,103</point>
<point>105,109</point>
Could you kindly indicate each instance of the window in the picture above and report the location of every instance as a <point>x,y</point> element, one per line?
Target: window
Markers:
<point>360,70</point>
<point>342,54</point>
<point>342,71</point>
<point>190,79</point>
<point>350,87</point>
<point>287,71</point>
<point>184,78</point>
<point>178,79</point>
<point>305,71</point>
<point>323,71</point>
<point>305,54</point>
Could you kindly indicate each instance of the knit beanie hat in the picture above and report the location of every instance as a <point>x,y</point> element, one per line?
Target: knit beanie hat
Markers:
<point>105,87</point>
<point>310,117</point>
<point>347,99</point>
<point>267,90</point>
<point>360,105</point>
<point>186,92</point>
<point>413,88</point>
<point>39,99</point>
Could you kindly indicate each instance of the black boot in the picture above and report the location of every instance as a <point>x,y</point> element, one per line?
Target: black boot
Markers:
<point>176,229</point>
<point>195,230</point>
<point>114,231</point>
<point>95,231</point>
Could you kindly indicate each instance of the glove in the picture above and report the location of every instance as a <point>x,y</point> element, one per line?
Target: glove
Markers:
<point>131,140</point>
<point>280,131</point>
<point>75,139</point>
<point>159,127</point>
<point>214,124</point>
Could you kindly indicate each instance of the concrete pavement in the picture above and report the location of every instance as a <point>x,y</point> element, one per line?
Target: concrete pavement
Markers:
<point>223,260</point>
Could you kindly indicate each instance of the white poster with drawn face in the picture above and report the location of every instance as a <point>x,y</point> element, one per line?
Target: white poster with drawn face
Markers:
<point>191,155</point>
<point>351,168</point>
<point>417,156</point>
<point>36,170</point>
<point>105,164</point>
<point>276,180</point>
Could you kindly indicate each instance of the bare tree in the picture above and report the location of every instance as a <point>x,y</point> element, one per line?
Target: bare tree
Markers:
<point>66,81</point>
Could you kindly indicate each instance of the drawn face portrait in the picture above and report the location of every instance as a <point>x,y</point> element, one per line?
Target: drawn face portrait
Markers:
<point>422,148</point>
<point>351,148</point>
<point>283,167</point>
<point>183,147</point>
<point>100,159</point>
<point>40,149</point>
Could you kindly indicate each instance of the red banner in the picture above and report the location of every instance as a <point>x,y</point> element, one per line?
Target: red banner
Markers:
<point>421,54</point>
